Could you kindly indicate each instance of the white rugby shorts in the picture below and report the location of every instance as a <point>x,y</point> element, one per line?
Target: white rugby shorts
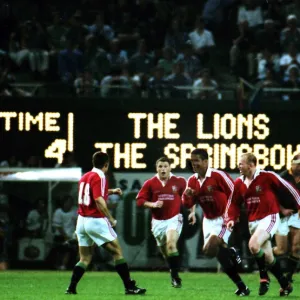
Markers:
<point>286,223</point>
<point>160,228</point>
<point>269,223</point>
<point>215,227</point>
<point>94,230</point>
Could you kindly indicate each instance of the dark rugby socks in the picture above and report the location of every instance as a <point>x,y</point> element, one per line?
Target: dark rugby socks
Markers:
<point>261,263</point>
<point>275,269</point>
<point>123,271</point>
<point>78,272</point>
<point>229,267</point>
<point>292,265</point>
<point>174,264</point>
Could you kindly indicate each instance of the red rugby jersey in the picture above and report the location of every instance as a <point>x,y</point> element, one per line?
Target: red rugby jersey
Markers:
<point>153,190</point>
<point>212,194</point>
<point>261,198</point>
<point>92,185</point>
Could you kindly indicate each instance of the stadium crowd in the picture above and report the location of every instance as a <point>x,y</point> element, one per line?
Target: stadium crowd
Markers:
<point>146,47</point>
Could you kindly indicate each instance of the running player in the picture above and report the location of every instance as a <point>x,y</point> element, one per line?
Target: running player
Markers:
<point>260,191</point>
<point>162,194</point>
<point>212,190</point>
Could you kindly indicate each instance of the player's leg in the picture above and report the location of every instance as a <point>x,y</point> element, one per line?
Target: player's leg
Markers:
<point>281,247</point>
<point>294,258</point>
<point>166,233</point>
<point>121,266</point>
<point>163,251</point>
<point>215,245</point>
<point>281,237</point>
<point>85,252</point>
<point>173,259</point>
<point>275,269</point>
<point>79,269</point>
<point>260,247</point>
<point>258,238</point>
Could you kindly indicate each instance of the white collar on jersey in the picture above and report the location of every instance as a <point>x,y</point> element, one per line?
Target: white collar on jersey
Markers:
<point>207,174</point>
<point>99,172</point>
<point>171,175</point>
<point>256,173</point>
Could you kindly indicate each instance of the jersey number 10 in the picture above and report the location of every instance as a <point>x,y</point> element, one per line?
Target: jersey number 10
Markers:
<point>84,194</point>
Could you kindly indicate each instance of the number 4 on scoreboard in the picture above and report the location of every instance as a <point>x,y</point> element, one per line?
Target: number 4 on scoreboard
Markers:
<point>56,150</point>
<point>84,194</point>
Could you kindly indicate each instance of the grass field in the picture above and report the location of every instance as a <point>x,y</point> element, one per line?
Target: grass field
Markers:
<point>40,285</point>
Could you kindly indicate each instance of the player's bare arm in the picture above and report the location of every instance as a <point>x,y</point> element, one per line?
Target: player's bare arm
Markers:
<point>116,191</point>
<point>192,216</point>
<point>157,204</point>
<point>101,205</point>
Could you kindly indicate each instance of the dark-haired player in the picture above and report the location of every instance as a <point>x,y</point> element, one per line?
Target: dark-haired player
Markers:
<point>212,190</point>
<point>95,225</point>
<point>289,226</point>
<point>162,194</point>
<point>260,191</point>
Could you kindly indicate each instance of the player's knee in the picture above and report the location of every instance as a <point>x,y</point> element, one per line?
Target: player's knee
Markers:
<point>171,247</point>
<point>211,247</point>
<point>254,247</point>
<point>86,260</point>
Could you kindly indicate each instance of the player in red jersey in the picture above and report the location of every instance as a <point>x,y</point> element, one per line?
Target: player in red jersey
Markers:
<point>260,191</point>
<point>212,190</point>
<point>289,227</point>
<point>162,194</point>
<point>95,225</point>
